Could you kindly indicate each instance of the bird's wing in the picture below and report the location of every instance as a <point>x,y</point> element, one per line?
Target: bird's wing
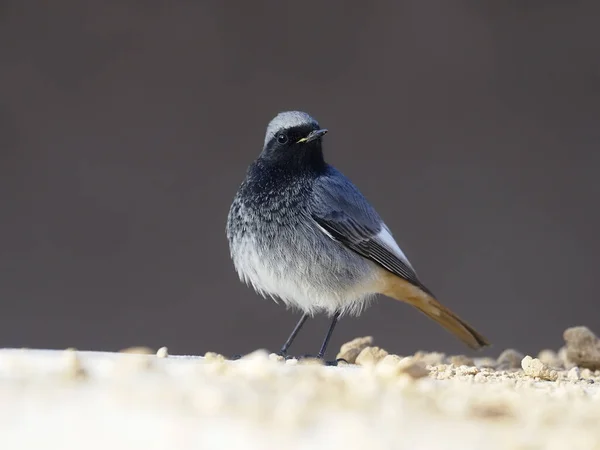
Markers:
<point>344,214</point>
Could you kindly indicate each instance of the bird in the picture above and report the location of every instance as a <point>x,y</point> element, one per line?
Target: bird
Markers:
<point>302,233</point>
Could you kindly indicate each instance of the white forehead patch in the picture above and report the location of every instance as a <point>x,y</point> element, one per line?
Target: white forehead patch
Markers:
<point>288,119</point>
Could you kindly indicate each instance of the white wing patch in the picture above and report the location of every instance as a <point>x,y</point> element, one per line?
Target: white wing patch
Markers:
<point>386,238</point>
<point>327,233</point>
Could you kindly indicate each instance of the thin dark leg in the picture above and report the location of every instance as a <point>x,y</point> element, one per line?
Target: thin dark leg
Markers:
<point>289,341</point>
<point>329,333</point>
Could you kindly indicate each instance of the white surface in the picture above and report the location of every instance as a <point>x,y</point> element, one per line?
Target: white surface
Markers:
<point>142,402</point>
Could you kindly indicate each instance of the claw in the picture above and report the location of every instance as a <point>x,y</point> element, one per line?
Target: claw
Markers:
<point>335,362</point>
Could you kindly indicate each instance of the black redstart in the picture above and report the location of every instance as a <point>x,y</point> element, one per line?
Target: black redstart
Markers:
<point>301,232</point>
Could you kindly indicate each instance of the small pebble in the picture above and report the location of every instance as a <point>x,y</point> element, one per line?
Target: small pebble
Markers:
<point>533,367</point>
<point>212,357</point>
<point>574,374</point>
<point>461,360</point>
<point>467,370</point>
<point>430,358</point>
<point>256,355</point>
<point>370,356</point>
<point>583,347</point>
<point>276,357</point>
<point>350,350</point>
<point>550,358</point>
<point>509,359</point>
<point>486,362</point>
<point>393,365</point>
<point>73,367</point>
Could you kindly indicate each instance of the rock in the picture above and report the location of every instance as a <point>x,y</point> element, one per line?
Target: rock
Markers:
<point>414,369</point>
<point>467,370</point>
<point>562,356</point>
<point>550,358</point>
<point>350,350</point>
<point>461,360</point>
<point>256,364</point>
<point>574,374</point>
<point>276,357</point>
<point>533,367</point>
<point>370,356</point>
<point>257,355</point>
<point>583,347</point>
<point>394,366</point>
<point>212,357</point>
<point>73,369</point>
<point>430,358</point>
<point>509,359</point>
<point>486,362</point>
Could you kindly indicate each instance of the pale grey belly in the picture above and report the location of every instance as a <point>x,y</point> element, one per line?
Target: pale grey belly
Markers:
<point>305,268</point>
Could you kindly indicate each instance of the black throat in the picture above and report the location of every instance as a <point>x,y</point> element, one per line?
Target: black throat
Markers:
<point>304,162</point>
<point>286,165</point>
<point>275,177</point>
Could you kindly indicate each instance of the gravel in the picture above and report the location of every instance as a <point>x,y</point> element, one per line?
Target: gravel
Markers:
<point>147,399</point>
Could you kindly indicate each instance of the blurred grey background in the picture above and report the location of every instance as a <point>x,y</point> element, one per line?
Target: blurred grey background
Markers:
<point>127,126</point>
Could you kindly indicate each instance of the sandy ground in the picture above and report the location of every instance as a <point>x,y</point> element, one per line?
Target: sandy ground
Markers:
<point>137,400</point>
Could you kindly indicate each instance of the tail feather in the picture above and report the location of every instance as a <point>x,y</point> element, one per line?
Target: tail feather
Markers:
<point>402,290</point>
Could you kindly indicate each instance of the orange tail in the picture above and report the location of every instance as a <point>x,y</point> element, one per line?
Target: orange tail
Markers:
<point>402,290</point>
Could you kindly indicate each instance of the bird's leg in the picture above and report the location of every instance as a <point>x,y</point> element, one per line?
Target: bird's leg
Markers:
<point>286,346</point>
<point>328,336</point>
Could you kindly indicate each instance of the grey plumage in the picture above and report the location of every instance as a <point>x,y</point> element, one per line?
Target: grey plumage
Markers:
<point>279,249</point>
<point>301,232</point>
<point>278,245</point>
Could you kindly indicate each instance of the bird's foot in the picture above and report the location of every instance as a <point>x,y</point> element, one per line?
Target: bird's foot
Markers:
<point>335,362</point>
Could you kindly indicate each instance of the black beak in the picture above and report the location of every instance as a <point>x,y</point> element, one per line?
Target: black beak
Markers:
<point>317,134</point>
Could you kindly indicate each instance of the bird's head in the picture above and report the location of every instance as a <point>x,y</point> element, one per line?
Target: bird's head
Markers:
<point>293,139</point>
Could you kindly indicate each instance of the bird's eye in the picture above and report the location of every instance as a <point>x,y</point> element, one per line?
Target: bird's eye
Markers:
<point>282,138</point>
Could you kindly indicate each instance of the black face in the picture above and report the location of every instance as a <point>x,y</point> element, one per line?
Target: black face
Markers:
<point>285,150</point>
